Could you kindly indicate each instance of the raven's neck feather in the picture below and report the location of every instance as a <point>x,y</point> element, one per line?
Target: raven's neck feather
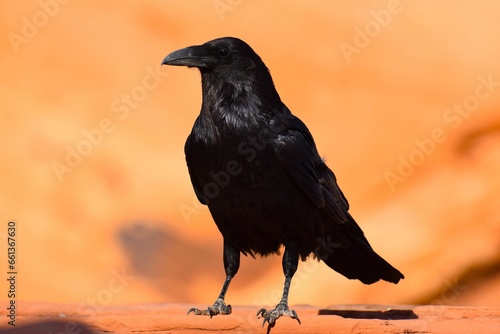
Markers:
<point>242,98</point>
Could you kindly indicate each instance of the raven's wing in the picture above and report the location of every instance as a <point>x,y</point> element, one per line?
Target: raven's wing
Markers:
<point>298,154</point>
<point>198,190</point>
<point>296,150</point>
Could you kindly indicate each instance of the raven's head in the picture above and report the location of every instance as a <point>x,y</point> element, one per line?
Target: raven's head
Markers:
<point>228,58</point>
<point>215,55</point>
<point>228,66</point>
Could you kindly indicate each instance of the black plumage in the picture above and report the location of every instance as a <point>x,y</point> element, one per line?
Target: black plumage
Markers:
<point>256,167</point>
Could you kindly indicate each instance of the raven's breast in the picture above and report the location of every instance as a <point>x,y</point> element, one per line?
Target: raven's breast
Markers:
<point>254,201</point>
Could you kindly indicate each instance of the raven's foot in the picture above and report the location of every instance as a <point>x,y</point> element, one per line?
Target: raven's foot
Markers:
<point>219,307</point>
<point>273,315</point>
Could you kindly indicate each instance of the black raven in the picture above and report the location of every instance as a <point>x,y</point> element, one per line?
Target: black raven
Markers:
<point>256,167</point>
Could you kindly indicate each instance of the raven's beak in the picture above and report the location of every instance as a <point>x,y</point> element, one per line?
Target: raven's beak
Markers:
<point>193,56</point>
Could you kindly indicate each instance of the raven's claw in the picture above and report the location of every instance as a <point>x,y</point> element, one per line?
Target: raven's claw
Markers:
<point>219,307</point>
<point>271,316</point>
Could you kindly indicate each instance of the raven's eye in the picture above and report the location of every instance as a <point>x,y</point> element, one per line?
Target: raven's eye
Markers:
<point>223,53</point>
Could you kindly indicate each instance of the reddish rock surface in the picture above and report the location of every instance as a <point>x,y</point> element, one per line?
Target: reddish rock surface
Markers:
<point>170,318</point>
<point>409,121</point>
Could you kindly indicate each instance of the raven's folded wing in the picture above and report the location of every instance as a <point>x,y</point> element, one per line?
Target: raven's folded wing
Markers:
<point>297,152</point>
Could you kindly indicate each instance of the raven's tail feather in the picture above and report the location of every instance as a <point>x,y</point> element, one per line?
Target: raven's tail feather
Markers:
<point>361,262</point>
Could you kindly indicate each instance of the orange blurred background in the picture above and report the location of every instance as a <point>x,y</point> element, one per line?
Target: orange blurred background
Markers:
<point>402,97</point>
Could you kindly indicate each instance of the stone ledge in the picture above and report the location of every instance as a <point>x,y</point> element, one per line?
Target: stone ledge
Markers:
<point>167,318</point>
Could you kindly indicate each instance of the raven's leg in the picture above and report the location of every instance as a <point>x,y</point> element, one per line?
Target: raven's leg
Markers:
<point>231,266</point>
<point>290,263</point>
